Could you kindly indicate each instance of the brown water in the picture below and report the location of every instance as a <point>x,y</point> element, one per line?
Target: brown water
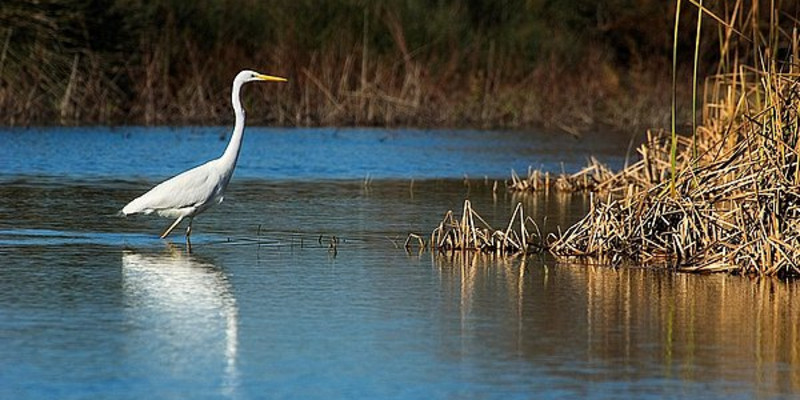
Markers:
<point>93,305</point>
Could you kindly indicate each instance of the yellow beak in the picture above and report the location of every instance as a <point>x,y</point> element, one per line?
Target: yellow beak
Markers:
<point>270,78</point>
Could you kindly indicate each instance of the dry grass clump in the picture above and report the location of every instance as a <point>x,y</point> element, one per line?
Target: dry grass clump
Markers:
<point>652,167</point>
<point>589,179</point>
<point>733,206</point>
<point>725,199</point>
<point>473,233</point>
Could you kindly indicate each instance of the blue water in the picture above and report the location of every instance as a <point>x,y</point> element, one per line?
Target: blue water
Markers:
<point>299,154</point>
<point>298,285</point>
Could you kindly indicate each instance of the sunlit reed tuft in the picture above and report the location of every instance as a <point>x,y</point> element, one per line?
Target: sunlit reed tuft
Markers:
<point>472,233</point>
<point>735,206</point>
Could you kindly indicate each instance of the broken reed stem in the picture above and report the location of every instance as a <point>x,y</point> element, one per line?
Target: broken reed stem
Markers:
<point>465,234</point>
<point>594,177</point>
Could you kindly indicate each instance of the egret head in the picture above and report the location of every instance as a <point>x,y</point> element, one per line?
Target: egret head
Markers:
<point>250,76</point>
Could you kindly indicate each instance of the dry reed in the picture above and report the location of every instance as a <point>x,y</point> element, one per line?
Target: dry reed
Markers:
<point>472,233</point>
<point>735,206</point>
<point>590,179</point>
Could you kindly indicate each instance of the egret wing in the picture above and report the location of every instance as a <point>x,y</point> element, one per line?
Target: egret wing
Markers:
<point>196,188</point>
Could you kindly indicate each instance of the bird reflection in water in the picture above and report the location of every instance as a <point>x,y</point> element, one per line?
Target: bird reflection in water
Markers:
<point>184,315</point>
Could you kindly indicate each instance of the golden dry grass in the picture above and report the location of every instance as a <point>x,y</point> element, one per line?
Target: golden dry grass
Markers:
<point>471,232</point>
<point>731,202</point>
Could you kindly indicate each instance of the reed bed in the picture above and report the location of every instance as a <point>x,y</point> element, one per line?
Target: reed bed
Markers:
<point>735,209</point>
<point>471,232</point>
<point>653,166</point>
<point>726,199</point>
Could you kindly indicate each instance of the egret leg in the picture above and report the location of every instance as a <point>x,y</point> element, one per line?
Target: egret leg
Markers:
<point>171,227</point>
<point>188,234</point>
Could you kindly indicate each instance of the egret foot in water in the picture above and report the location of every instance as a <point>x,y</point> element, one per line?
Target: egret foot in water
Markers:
<point>188,234</point>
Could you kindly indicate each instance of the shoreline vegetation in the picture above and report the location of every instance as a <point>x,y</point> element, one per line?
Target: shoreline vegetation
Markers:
<point>725,198</point>
<point>509,64</point>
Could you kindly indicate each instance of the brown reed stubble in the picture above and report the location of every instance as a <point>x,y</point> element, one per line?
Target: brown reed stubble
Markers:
<point>736,206</point>
<point>472,233</point>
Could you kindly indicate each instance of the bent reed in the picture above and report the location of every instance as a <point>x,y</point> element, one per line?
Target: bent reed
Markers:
<point>472,233</point>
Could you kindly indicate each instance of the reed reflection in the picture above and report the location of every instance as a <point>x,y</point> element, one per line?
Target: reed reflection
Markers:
<point>626,324</point>
<point>695,326</point>
<point>487,290</point>
<point>185,316</point>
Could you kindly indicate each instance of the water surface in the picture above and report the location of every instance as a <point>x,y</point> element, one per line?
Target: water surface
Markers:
<point>294,154</point>
<point>96,306</point>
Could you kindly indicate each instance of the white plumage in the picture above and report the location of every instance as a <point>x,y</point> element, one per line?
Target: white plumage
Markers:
<point>193,191</point>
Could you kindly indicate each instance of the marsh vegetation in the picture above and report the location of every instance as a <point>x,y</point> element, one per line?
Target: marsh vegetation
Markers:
<point>477,64</point>
<point>723,196</point>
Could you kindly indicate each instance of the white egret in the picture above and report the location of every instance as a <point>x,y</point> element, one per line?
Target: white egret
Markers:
<point>194,191</point>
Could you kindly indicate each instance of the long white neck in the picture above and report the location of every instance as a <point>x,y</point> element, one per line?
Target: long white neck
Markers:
<point>231,154</point>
